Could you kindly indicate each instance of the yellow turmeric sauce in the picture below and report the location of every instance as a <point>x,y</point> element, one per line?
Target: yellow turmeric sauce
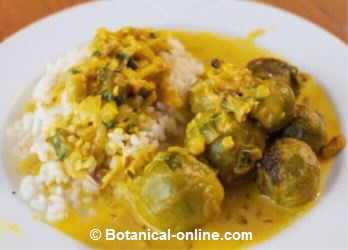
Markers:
<point>7,226</point>
<point>243,209</point>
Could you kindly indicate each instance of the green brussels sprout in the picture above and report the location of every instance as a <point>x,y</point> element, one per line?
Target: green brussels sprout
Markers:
<point>308,126</point>
<point>271,68</point>
<point>289,173</point>
<point>236,153</point>
<point>204,97</point>
<point>275,110</point>
<point>221,80</point>
<point>177,192</point>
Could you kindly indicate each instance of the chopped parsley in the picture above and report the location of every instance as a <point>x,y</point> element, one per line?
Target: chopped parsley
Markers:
<point>102,74</point>
<point>96,53</point>
<point>244,158</point>
<point>121,56</point>
<point>61,149</point>
<point>75,71</point>
<point>172,161</point>
<point>132,63</point>
<point>120,100</point>
<point>107,95</point>
<point>206,127</point>
<point>109,124</point>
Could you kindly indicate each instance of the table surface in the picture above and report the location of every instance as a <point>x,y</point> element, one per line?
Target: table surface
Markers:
<point>330,14</point>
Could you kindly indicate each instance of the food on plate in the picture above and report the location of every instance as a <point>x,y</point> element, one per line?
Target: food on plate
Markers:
<point>289,173</point>
<point>177,191</point>
<point>231,147</point>
<point>236,153</point>
<point>309,126</point>
<point>271,68</point>
<point>205,128</point>
<point>276,110</point>
<point>101,114</point>
<point>145,128</point>
<point>222,82</point>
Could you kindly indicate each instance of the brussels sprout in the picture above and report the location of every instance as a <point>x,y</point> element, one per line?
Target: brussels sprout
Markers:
<point>177,192</point>
<point>221,80</point>
<point>308,126</point>
<point>271,68</point>
<point>276,109</point>
<point>289,173</point>
<point>235,154</point>
<point>204,97</point>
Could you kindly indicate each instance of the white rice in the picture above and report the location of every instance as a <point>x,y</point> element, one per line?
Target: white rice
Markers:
<point>51,192</point>
<point>185,68</point>
<point>33,189</point>
<point>54,72</point>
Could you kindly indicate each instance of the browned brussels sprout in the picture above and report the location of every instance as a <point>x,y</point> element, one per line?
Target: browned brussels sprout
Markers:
<point>276,109</point>
<point>308,126</point>
<point>271,68</point>
<point>289,173</point>
<point>235,154</point>
<point>177,192</point>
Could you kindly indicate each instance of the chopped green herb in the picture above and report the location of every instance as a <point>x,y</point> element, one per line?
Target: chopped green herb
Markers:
<point>96,53</point>
<point>132,63</point>
<point>215,117</point>
<point>216,63</point>
<point>227,106</point>
<point>107,95</point>
<point>102,74</point>
<point>120,100</point>
<point>207,127</point>
<point>172,161</point>
<point>243,159</point>
<point>75,71</point>
<point>121,56</point>
<point>109,124</point>
<point>56,139</point>
<point>62,150</point>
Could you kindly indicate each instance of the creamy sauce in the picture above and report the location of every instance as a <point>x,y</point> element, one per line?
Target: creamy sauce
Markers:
<point>244,209</point>
<point>7,226</point>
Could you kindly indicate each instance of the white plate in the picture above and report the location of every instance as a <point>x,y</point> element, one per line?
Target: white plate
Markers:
<point>24,55</point>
